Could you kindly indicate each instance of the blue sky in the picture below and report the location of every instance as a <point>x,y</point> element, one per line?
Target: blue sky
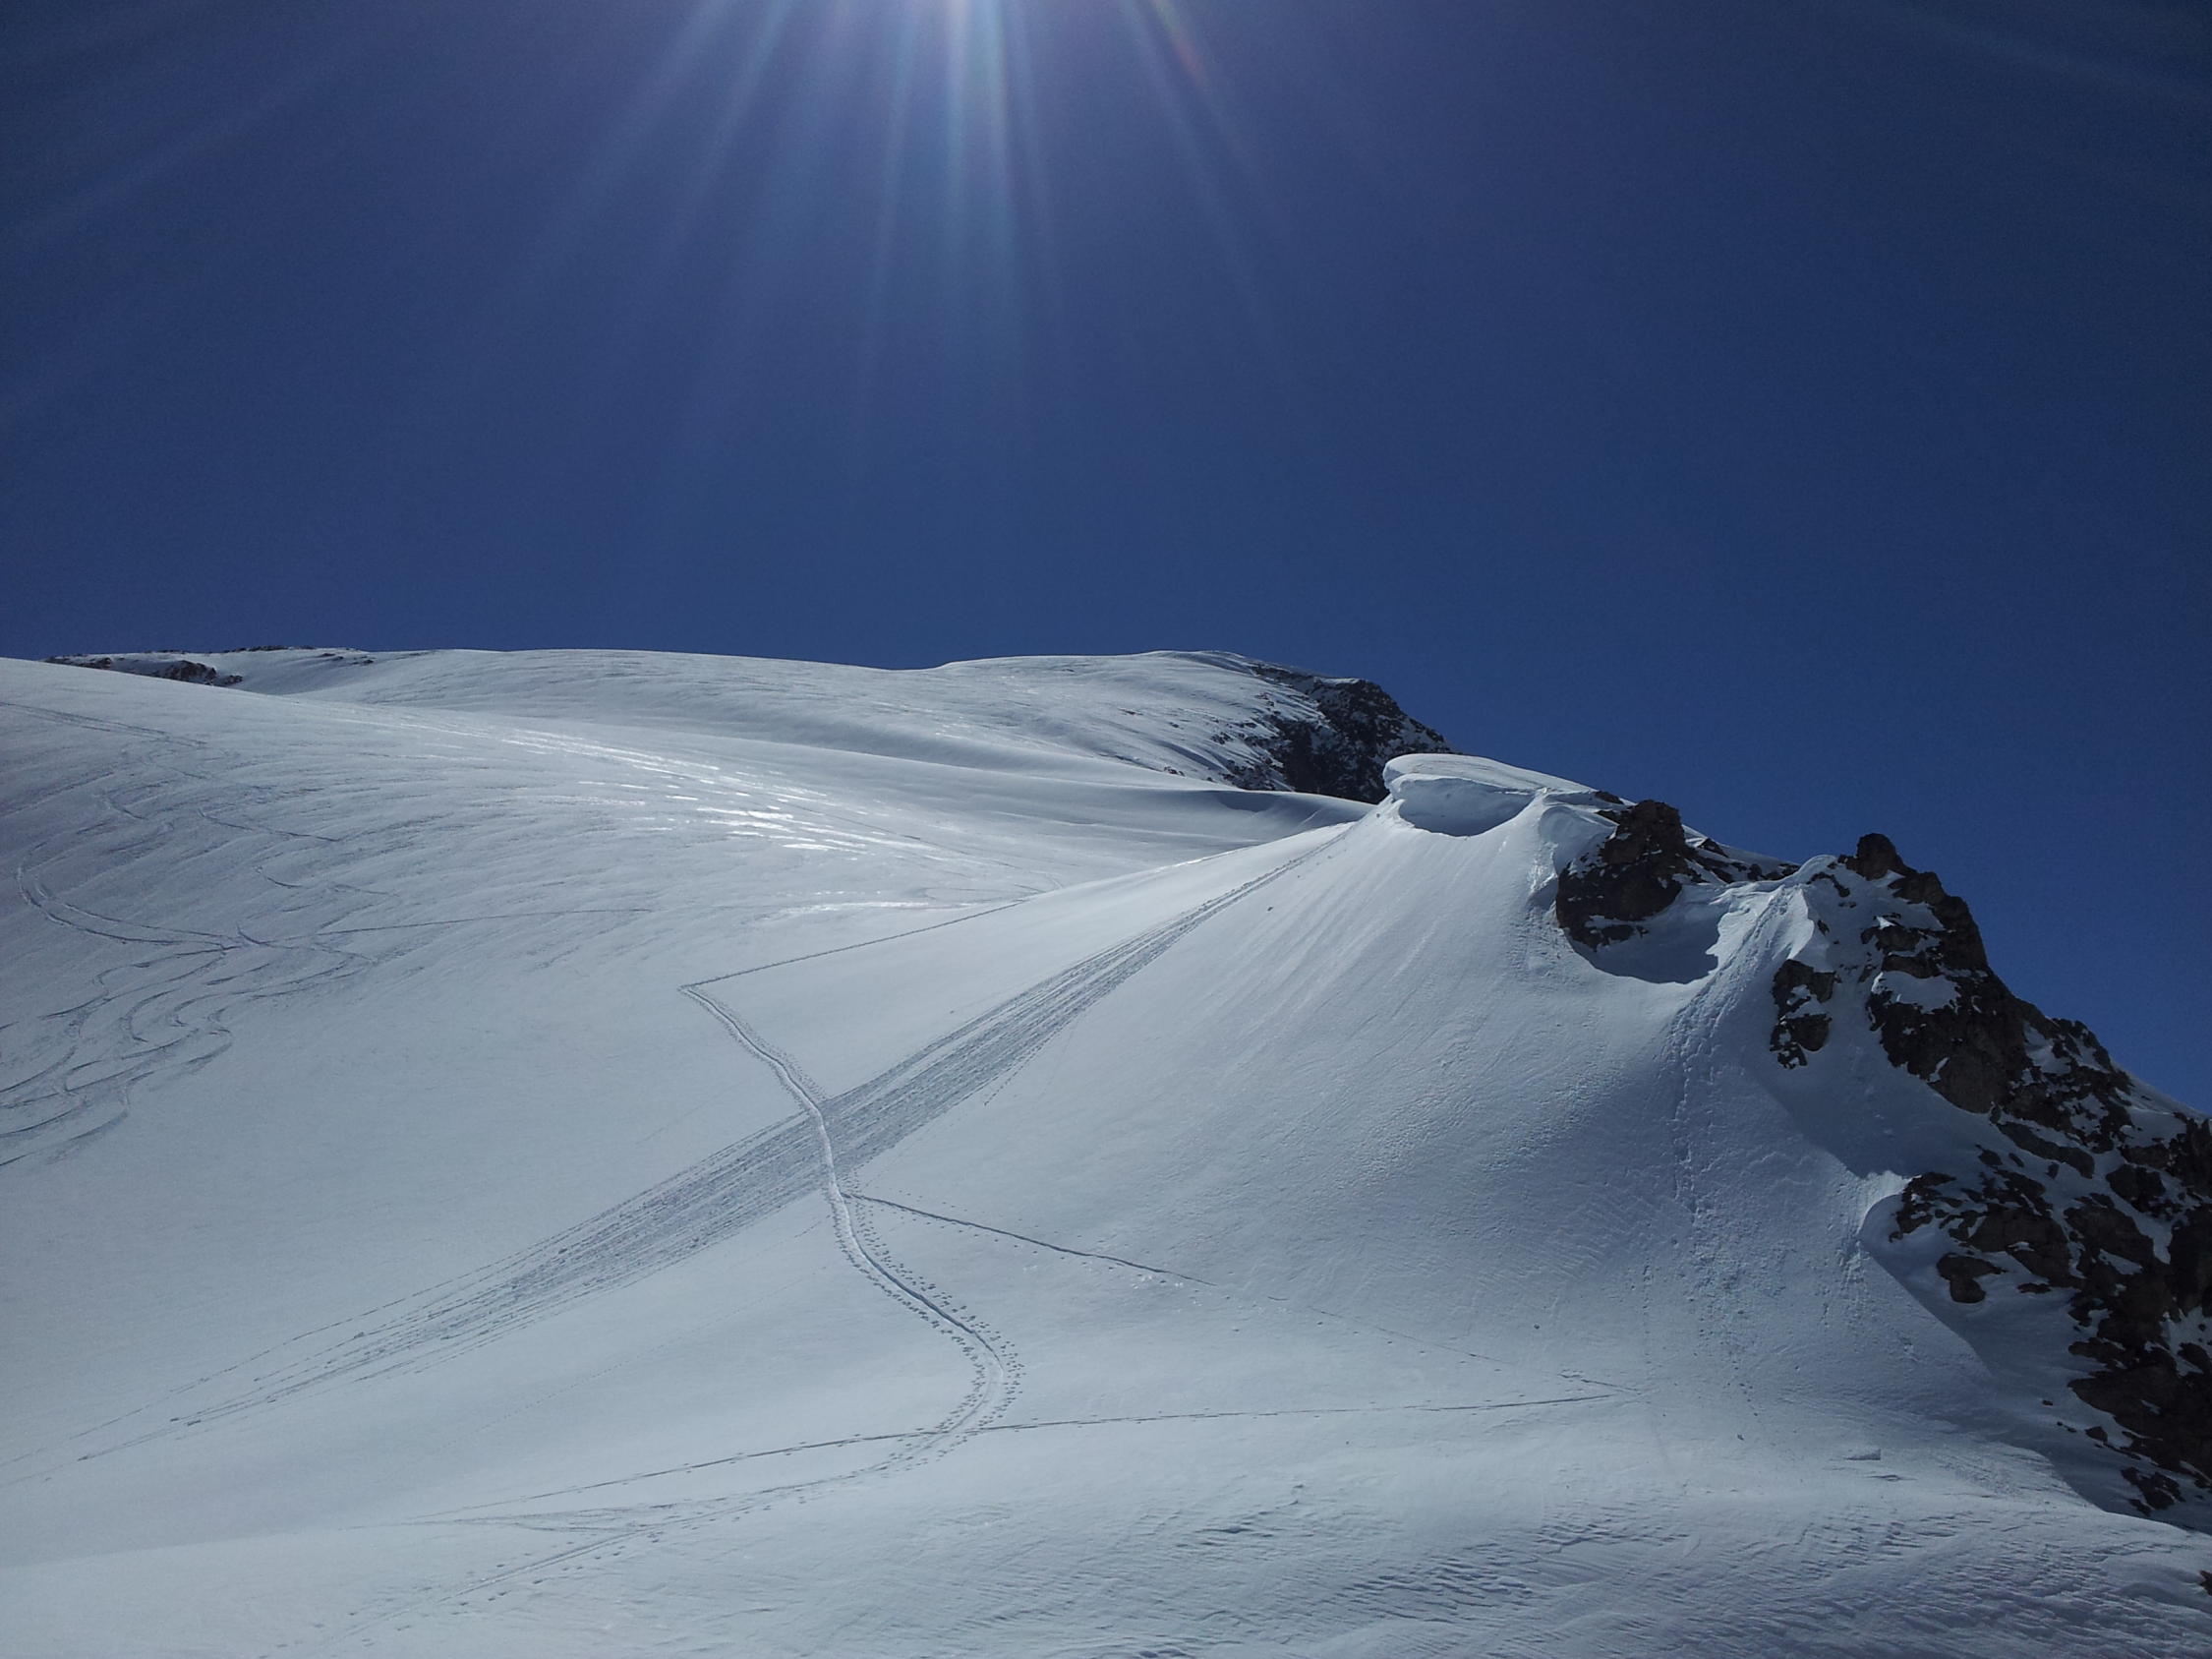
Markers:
<point>1798,412</point>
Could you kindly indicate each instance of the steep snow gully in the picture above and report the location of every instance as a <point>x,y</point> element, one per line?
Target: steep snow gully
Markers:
<point>590,1153</point>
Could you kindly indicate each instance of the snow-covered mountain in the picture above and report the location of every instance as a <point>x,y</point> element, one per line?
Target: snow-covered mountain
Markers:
<point>601,1153</point>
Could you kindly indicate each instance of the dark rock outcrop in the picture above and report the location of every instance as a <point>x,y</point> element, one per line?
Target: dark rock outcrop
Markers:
<point>181,666</point>
<point>1641,868</point>
<point>1800,1027</point>
<point>1327,736</point>
<point>184,668</point>
<point>2084,1188</point>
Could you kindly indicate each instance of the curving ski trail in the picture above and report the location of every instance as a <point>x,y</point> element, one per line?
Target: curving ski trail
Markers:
<point>838,1132</point>
<point>995,1368</point>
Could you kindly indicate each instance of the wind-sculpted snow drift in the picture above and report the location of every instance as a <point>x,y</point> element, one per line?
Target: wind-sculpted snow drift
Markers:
<point>579,1153</point>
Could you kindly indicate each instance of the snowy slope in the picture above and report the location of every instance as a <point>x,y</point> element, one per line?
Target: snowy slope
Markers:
<point>602,1154</point>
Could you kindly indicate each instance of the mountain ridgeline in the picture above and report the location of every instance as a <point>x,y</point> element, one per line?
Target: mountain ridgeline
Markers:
<point>1306,732</point>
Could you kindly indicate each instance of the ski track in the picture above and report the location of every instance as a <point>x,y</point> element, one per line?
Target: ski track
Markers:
<point>707,1204</point>
<point>166,1014</point>
<point>723,1193</point>
<point>1025,1238</point>
<point>464,1517</point>
<point>995,1367</point>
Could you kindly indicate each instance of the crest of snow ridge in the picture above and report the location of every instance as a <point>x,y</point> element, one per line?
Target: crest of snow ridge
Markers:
<point>1306,732</point>
<point>2082,1190</point>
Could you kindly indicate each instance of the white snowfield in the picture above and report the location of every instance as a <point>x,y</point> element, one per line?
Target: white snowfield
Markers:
<point>594,1154</point>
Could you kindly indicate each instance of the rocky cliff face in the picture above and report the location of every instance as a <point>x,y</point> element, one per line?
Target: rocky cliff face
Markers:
<point>2085,1191</point>
<point>1321,736</point>
<point>2070,1238</point>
